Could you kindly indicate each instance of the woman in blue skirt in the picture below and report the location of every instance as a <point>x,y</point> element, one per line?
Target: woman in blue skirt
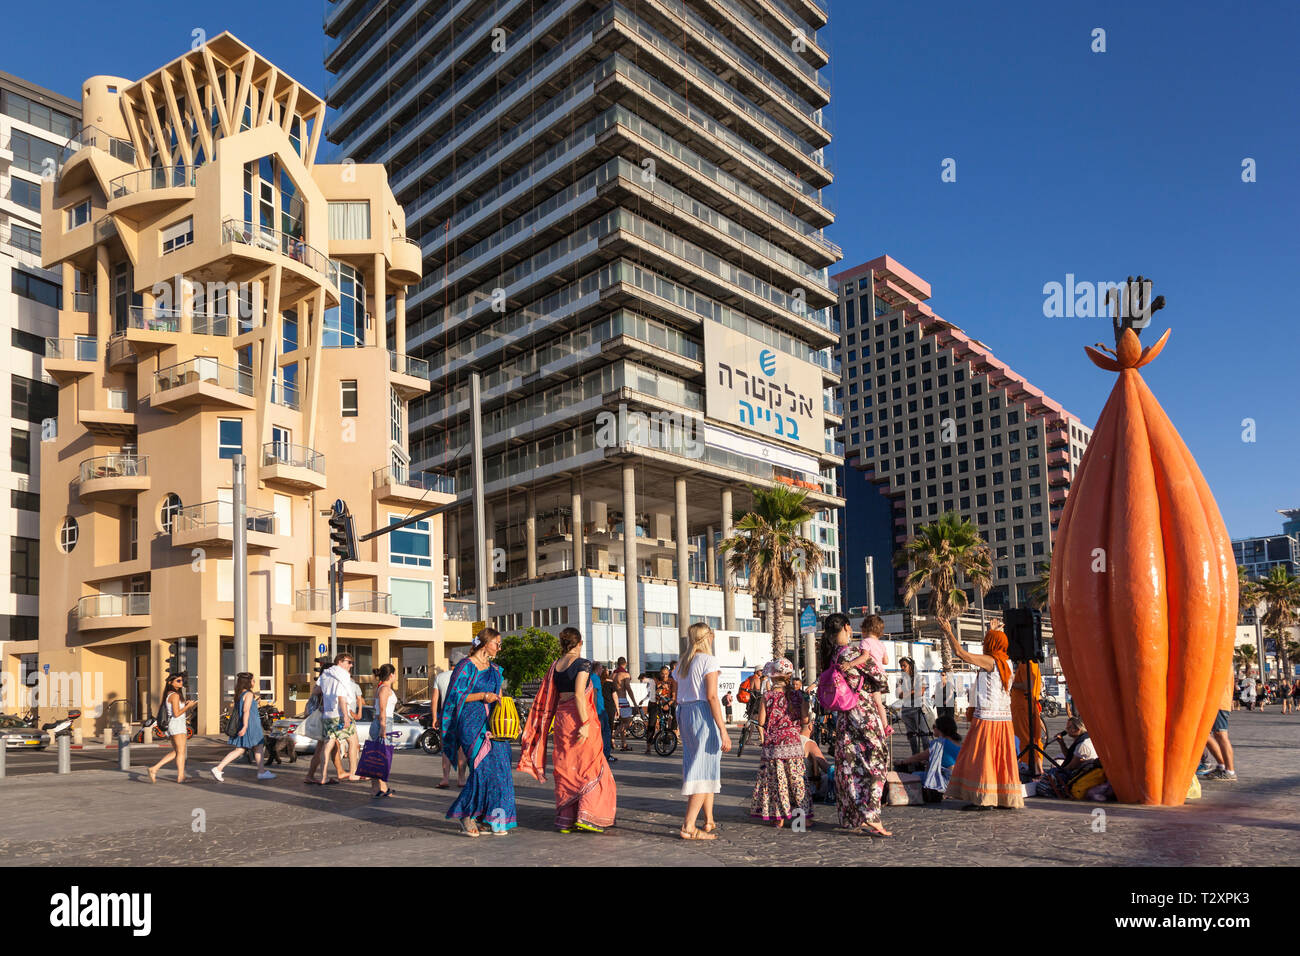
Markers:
<point>489,793</point>
<point>703,728</point>
<point>250,736</point>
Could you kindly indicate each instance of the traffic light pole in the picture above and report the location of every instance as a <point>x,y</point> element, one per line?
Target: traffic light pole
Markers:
<point>334,609</point>
<point>240,548</point>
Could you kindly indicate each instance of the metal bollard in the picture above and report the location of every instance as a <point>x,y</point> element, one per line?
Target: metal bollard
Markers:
<point>124,752</point>
<point>65,753</point>
<point>4,748</point>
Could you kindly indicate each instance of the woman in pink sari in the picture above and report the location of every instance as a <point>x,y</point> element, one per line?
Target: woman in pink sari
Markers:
<point>585,797</point>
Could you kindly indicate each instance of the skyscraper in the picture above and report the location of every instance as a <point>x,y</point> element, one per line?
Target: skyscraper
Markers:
<point>938,423</point>
<point>620,210</point>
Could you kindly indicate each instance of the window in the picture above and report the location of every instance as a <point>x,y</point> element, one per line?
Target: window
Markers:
<point>178,235</point>
<point>348,397</point>
<point>37,114</point>
<point>68,535</point>
<point>35,288</point>
<point>225,579</point>
<point>25,193</point>
<point>79,214</point>
<point>24,500</point>
<point>349,220</point>
<point>412,601</point>
<point>411,545</point>
<point>33,153</point>
<point>32,401</point>
<point>230,437</point>
<point>24,565</point>
<point>283,583</point>
<point>283,507</point>
<point>394,416</point>
<point>20,451</point>
<point>171,507</point>
<point>27,342</point>
<point>20,237</point>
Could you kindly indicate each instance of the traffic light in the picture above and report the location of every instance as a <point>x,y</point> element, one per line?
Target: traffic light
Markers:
<point>174,663</point>
<point>321,664</point>
<point>343,539</point>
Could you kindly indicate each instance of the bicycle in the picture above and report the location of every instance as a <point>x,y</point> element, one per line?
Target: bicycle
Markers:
<point>665,737</point>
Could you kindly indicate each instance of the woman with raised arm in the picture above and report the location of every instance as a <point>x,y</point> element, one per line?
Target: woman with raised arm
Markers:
<point>987,773</point>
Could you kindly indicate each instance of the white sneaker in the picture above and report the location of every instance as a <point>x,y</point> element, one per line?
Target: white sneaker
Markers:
<point>220,777</point>
<point>266,775</point>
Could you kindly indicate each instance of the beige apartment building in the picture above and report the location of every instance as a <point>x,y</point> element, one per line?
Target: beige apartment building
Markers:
<point>224,294</point>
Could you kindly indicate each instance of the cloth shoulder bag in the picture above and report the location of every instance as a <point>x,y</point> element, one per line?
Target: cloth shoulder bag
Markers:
<point>313,728</point>
<point>376,760</point>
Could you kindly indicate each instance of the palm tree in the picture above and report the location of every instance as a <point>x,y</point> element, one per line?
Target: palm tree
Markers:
<point>1247,590</point>
<point>1279,592</point>
<point>937,555</point>
<point>767,543</point>
<point>1039,591</point>
<point>1244,658</point>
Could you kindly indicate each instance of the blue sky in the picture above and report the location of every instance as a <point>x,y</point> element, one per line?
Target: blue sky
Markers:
<point>1068,161</point>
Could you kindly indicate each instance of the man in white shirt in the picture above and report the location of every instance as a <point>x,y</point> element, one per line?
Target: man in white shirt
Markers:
<point>336,693</point>
<point>1247,686</point>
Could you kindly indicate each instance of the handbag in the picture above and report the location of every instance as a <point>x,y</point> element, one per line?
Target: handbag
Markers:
<point>313,728</point>
<point>376,760</point>
<point>504,723</point>
<point>833,691</point>
<point>234,720</point>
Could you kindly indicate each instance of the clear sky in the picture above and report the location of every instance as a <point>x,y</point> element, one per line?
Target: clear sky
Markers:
<point>1067,161</point>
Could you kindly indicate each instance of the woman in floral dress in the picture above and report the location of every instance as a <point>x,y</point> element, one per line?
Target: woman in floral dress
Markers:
<point>781,791</point>
<point>860,744</point>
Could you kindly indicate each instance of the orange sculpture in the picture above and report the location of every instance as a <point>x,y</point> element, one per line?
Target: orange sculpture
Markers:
<point>1144,586</point>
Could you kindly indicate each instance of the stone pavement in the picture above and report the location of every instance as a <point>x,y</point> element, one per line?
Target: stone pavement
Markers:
<point>106,818</point>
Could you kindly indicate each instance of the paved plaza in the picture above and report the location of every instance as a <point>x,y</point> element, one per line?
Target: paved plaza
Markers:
<point>103,817</point>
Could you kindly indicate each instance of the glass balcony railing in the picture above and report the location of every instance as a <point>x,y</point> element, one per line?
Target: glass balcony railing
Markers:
<point>285,393</point>
<point>459,610</point>
<point>113,605</point>
<point>835,447</point>
<point>422,480</point>
<point>318,599</point>
<point>203,369</point>
<point>83,302</point>
<point>94,136</point>
<point>833,406</point>
<point>153,320</point>
<point>263,237</point>
<point>83,348</point>
<point>219,514</point>
<point>114,466</point>
<point>160,177</point>
<point>297,456</point>
<point>408,365</point>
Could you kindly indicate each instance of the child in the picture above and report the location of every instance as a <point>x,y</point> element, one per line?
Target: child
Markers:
<point>781,791</point>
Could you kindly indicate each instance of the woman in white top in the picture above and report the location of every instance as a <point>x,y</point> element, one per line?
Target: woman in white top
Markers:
<point>382,721</point>
<point>987,772</point>
<point>704,731</point>
<point>177,726</point>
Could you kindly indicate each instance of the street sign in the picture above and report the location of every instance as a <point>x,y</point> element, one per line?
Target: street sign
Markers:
<point>807,619</point>
<point>339,507</point>
<point>321,648</point>
<point>478,626</point>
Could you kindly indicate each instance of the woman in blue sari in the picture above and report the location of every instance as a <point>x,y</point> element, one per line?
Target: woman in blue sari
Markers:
<point>489,792</point>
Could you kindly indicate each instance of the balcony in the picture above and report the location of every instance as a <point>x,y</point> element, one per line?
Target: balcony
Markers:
<point>202,381</point>
<point>68,359</point>
<point>1058,458</point>
<point>453,610</point>
<point>293,466</point>
<point>147,193</point>
<point>410,374</point>
<point>101,612</point>
<point>74,163</point>
<point>421,487</point>
<point>407,261</point>
<point>262,242</point>
<point>116,478</point>
<point>212,523</point>
<point>358,608</point>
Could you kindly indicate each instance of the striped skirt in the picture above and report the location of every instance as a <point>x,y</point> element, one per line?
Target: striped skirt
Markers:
<point>987,773</point>
<point>701,748</point>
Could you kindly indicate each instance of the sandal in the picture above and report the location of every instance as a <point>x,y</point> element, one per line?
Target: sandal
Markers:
<point>697,835</point>
<point>470,827</point>
<point>443,786</point>
<point>876,831</point>
<point>711,827</point>
<point>153,775</point>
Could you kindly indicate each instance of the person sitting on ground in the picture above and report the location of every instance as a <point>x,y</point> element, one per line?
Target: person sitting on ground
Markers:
<point>947,738</point>
<point>1055,782</point>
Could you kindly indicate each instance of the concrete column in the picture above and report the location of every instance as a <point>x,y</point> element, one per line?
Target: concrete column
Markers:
<point>453,551</point>
<point>575,506</point>
<point>629,570</point>
<point>379,336</point>
<point>489,540</point>
<point>728,578</point>
<point>103,325</point>
<point>530,533</point>
<point>683,562</point>
<point>600,515</point>
<point>399,320</point>
<point>710,557</point>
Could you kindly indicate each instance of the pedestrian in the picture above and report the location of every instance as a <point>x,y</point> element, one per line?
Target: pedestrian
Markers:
<point>608,708</point>
<point>315,701</point>
<point>662,707</point>
<point>489,791</point>
<point>176,726</point>
<point>1027,693</point>
<point>623,697</point>
<point>986,773</point>
<point>1295,697</point>
<point>911,701</point>
<point>440,684</point>
<point>382,721</point>
<point>337,722</point>
<point>1247,686</point>
<point>781,792</point>
<point>704,731</point>
<point>873,628</point>
<point>861,744</point>
<point>728,699</point>
<point>248,723</point>
<point>585,795</point>
<point>946,704</point>
<point>1219,746</point>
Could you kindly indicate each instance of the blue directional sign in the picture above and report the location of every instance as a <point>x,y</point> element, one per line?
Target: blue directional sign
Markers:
<point>808,619</point>
<point>321,648</point>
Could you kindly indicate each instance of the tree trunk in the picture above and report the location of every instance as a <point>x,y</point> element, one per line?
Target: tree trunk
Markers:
<point>777,603</point>
<point>945,652</point>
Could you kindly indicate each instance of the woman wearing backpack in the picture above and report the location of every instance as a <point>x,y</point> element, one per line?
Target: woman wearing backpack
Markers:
<point>861,728</point>
<point>244,729</point>
<point>174,709</point>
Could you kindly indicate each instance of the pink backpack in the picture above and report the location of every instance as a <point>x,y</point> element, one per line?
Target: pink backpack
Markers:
<point>833,691</point>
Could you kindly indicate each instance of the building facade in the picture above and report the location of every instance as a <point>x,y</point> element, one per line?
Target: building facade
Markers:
<point>34,125</point>
<point>936,423</point>
<point>620,211</point>
<point>223,295</point>
<point>1261,554</point>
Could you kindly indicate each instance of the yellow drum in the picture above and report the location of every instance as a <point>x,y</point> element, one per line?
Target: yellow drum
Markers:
<point>504,723</point>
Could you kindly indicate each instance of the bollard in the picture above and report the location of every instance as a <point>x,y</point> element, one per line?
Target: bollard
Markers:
<point>65,753</point>
<point>4,748</point>
<point>124,752</point>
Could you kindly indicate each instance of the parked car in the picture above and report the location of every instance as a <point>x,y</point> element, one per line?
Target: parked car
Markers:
<point>408,731</point>
<point>415,709</point>
<point>18,736</point>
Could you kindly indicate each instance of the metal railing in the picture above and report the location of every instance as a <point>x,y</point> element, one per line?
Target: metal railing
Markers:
<point>210,514</point>
<point>28,240</point>
<point>318,599</point>
<point>404,364</point>
<point>459,610</point>
<point>113,605</point>
<point>284,393</point>
<point>94,136</point>
<point>298,456</point>
<point>424,480</point>
<point>153,320</point>
<point>159,177</point>
<point>263,237</point>
<point>114,466</point>
<point>83,348</point>
<point>83,302</point>
<point>204,370</point>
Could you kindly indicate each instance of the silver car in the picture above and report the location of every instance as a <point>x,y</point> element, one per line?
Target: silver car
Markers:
<point>18,736</point>
<point>403,733</point>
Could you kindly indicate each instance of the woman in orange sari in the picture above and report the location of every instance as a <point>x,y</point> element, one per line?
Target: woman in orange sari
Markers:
<point>585,797</point>
<point>986,772</point>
